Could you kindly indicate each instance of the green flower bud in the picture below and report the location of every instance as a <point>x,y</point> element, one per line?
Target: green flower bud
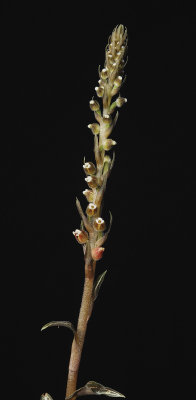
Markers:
<point>107,119</point>
<point>91,181</point>
<point>120,101</point>
<point>91,209</point>
<point>89,168</point>
<point>100,91</point>
<point>118,81</point>
<point>104,73</point>
<point>107,159</point>
<point>89,195</point>
<point>99,224</point>
<point>108,144</point>
<point>94,105</point>
<point>107,162</point>
<point>95,128</point>
<point>117,85</point>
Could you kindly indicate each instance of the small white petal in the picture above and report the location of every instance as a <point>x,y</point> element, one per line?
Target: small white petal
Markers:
<point>88,179</point>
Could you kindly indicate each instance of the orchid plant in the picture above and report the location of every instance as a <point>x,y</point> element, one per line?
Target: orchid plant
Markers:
<point>93,232</point>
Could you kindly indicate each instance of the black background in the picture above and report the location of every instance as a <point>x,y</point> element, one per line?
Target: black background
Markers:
<point>141,339</point>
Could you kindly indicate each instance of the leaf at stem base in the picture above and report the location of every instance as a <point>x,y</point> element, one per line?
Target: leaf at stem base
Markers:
<point>94,388</point>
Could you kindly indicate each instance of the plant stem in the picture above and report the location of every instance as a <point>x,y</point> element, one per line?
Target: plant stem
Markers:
<point>78,341</point>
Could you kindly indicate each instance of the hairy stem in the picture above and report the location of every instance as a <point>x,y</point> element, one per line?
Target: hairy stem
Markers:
<point>78,341</point>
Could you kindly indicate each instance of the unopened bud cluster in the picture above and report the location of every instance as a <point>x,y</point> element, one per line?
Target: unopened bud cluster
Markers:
<point>110,82</point>
<point>115,53</point>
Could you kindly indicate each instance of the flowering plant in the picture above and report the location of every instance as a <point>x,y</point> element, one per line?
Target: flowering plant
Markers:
<point>93,231</point>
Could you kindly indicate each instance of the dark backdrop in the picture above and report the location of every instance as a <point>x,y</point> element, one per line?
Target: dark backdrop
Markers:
<point>141,338</point>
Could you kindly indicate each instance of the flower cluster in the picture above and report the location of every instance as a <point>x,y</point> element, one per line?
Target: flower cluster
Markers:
<point>110,83</point>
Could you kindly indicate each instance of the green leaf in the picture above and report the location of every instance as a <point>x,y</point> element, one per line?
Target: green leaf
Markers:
<point>97,388</point>
<point>94,388</point>
<point>66,324</point>
<point>98,284</point>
